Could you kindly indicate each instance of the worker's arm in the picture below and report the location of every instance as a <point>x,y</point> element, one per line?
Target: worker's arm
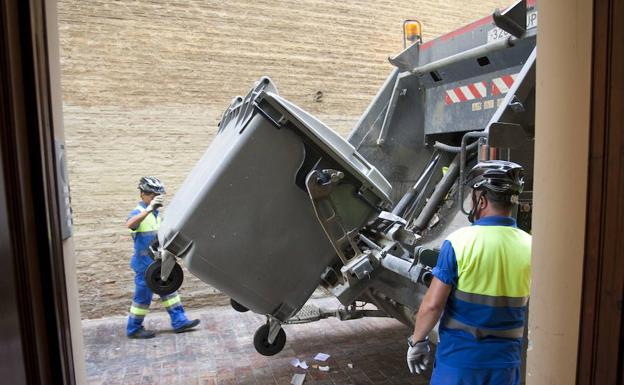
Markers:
<point>445,277</point>
<point>430,309</point>
<point>136,220</point>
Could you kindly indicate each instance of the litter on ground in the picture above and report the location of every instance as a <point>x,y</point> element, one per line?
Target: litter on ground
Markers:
<point>322,357</point>
<point>298,379</point>
<point>298,364</point>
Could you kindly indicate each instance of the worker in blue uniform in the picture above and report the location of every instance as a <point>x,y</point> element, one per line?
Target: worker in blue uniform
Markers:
<point>143,223</point>
<point>480,287</point>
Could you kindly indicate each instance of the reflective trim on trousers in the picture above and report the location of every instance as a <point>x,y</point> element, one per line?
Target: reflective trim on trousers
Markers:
<point>136,318</point>
<point>138,309</point>
<point>480,333</point>
<point>171,300</point>
<point>494,301</point>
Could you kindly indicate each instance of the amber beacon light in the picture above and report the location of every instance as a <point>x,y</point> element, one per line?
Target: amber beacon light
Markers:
<point>412,32</point>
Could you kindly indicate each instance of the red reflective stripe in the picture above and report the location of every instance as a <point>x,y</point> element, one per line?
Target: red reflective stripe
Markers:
<point>467,28</point>
<point>462,30</point>
<point>508,80</point>
<point>447,99</point>
<point>495,90</point>
<point>475,91</point>
<point>460,95</point>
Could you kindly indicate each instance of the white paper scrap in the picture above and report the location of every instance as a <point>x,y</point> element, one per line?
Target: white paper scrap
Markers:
<point>322,357</point>
<point>324,368</point>
<point>298,364</point>
<point>297,379</point>
<point>350,365</point>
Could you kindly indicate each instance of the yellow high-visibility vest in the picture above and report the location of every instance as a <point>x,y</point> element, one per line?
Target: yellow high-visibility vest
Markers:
<point>494,269</point>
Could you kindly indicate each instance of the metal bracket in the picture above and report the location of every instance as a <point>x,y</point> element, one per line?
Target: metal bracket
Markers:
<point>348,292</point>
<point>274,327</point>
<point>406,59</point>
<point>399,233</point>
<point>512,20</point>
<point>168,262</point>
<point>320,186</point>
<point>361,267</point>
<point>516,105</point>
<point>394,98</point>
<point>523,86</point>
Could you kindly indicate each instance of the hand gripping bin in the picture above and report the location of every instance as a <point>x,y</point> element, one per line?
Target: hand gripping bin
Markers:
<point>243,221</point>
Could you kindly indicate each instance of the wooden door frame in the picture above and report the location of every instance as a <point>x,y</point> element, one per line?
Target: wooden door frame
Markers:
<point>35,338</point>
<point>601,348</point>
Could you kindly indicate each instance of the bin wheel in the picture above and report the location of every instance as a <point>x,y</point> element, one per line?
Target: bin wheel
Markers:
<point>160,287</point>
<point>238,307</point>
<point>261,341</point>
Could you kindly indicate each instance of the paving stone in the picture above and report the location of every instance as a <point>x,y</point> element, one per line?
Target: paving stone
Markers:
<point>220,352</point>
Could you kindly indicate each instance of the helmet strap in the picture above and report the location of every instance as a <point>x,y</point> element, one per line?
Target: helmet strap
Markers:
<point>475,213</point>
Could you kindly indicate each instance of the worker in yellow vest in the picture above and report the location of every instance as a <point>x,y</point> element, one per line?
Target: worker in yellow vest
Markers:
<point>143,223</point>
<point>481,283</point>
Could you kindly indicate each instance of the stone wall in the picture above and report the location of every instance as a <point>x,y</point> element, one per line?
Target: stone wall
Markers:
<point>145,82</point>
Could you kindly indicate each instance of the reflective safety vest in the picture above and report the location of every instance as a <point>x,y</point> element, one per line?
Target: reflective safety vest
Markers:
<point>150,223</point>
<point>494,281</point>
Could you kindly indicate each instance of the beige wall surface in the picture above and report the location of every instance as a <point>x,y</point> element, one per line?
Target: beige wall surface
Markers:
<point>145,82</point>
<point>68,245</point>
<point>561,159</point>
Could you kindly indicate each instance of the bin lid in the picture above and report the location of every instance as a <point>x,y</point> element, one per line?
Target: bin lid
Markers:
<point>280,111</point>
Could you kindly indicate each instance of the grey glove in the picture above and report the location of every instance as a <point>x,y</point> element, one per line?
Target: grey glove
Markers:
<point>156,203</point>
<point>418,355</point>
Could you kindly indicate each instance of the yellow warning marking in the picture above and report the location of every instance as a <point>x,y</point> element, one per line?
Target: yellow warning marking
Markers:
<point>476,106</point>
<point>488,104</point>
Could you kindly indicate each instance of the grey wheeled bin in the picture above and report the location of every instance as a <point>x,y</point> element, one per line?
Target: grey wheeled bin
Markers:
<point>243,221</point>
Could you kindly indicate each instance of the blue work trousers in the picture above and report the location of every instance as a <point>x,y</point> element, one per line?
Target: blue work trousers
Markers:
<point>448,375</point>
<point>143,298</point>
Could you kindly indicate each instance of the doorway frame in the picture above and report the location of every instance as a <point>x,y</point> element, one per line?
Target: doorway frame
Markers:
<point>601,337</point>
<point>35,341</point>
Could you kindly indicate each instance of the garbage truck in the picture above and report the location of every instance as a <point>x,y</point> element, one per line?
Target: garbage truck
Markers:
<point>280,204</point>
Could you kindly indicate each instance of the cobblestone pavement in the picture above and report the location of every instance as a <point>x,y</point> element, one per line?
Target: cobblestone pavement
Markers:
<point>221,352</point>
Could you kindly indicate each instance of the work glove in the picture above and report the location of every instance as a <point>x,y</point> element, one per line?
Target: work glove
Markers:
<point>418,354</point>
<point>156,203</point>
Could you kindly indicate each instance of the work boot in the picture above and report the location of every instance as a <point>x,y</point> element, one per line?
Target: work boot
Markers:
<point>188,326</point>
<point>142,334</point>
